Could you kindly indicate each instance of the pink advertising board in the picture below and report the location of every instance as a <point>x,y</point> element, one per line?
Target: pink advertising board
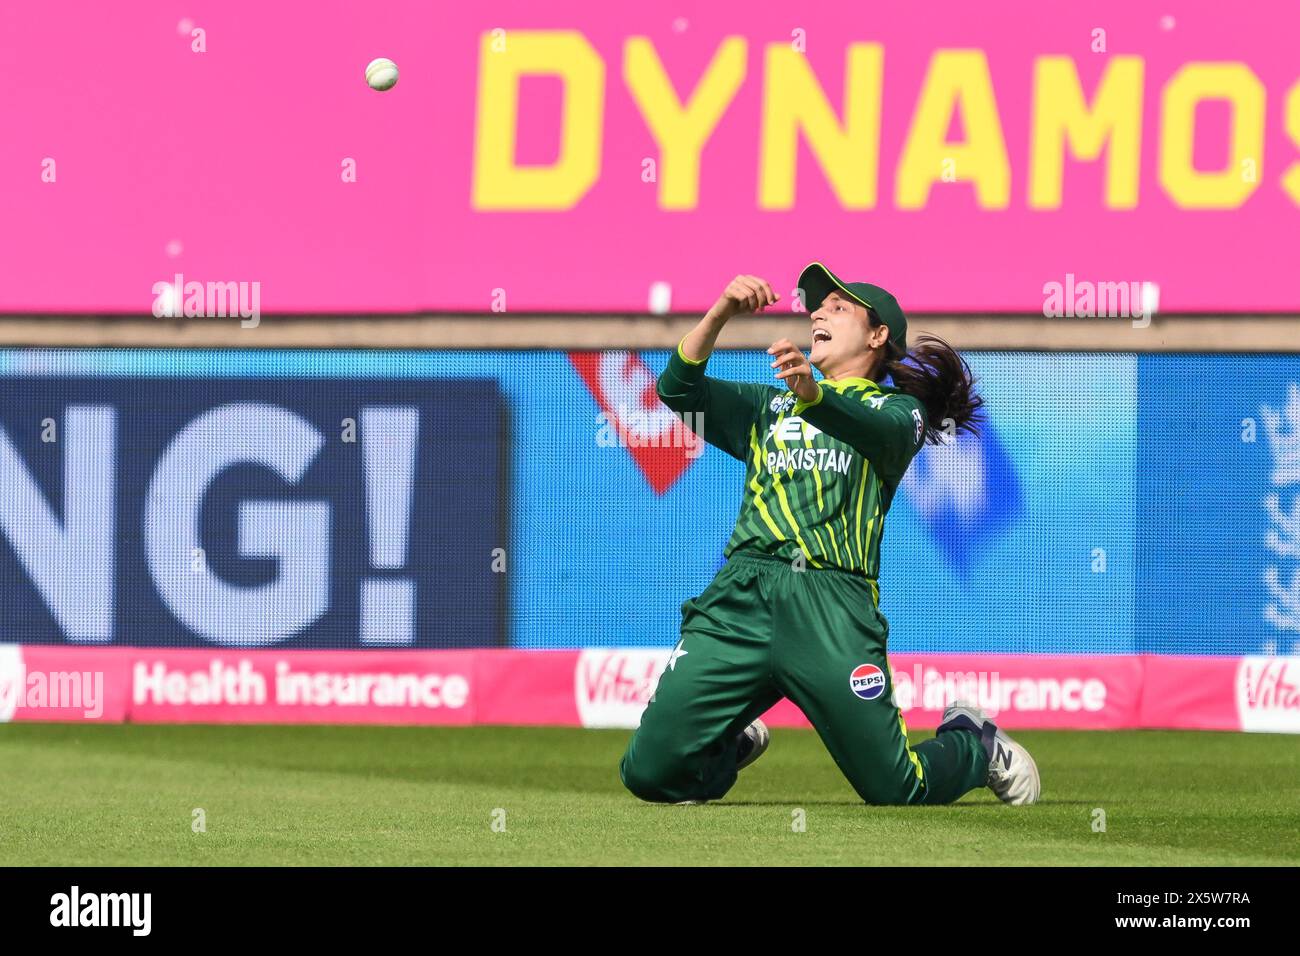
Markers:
<point>574,155</point>
<point>609,688</point>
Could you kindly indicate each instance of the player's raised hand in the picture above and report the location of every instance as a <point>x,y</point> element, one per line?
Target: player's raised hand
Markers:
<point>744,295</point>
<point>792,366</point>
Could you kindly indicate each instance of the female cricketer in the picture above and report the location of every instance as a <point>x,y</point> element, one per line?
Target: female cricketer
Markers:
<point>795,610</point>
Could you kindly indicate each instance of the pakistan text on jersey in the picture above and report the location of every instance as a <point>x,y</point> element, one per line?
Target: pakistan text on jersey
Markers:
<point>808,459</point>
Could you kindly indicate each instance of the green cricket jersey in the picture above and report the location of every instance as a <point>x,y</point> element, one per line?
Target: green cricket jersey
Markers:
<point>819,476</point>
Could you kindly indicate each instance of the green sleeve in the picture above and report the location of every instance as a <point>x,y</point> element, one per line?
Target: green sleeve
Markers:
<point>722,413</point>
<point>888,431</point>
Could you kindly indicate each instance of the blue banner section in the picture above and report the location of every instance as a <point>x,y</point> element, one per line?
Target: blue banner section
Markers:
<point>1021,540</point>
<point>1219,495</point>
<point>1112,504</point>
<point>220,511</point>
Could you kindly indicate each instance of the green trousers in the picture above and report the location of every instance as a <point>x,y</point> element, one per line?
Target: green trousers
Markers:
<point>762,631</point>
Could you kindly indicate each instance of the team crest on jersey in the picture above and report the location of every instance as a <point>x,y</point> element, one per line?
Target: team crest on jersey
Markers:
<point>920,425</point>
<point>867,681</point>
<point>782,404</point>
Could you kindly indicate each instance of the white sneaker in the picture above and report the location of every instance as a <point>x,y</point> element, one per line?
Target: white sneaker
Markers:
<point>753,744</point>
<point>1013,775</point>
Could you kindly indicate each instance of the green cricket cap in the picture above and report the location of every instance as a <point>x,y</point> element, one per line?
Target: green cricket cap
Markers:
<point>816,282</point>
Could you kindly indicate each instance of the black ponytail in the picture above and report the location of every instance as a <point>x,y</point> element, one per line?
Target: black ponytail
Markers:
<point>934,373</point>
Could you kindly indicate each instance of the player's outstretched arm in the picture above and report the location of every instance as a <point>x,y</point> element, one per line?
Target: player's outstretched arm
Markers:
<point>744,295</point>
<point>683,387</point>
<point>721,412</point>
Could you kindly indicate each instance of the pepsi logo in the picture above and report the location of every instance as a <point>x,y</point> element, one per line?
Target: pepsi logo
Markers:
<point>867,681</point>
<point>661,446</point>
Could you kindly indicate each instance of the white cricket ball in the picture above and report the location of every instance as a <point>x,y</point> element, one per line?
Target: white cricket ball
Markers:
<point>381,74</point>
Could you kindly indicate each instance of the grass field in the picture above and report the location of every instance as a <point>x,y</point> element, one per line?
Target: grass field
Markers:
<point>125,795</point>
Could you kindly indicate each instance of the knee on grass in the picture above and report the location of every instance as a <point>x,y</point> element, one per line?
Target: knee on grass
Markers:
<point>887,793</point>
<point>656,774</point>
<point>642,782</point>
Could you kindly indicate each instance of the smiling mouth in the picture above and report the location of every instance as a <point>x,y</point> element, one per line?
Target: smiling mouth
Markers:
<point>820,335</point>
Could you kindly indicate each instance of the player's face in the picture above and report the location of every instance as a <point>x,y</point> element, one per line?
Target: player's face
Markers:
<point>841,334</point>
